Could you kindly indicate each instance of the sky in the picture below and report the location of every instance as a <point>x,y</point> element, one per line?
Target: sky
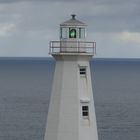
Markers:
<point>27,26</point>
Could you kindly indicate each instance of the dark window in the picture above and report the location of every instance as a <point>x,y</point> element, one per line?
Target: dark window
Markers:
<point>85,108</point>
<point>82,71</point>
<point>85,111</point>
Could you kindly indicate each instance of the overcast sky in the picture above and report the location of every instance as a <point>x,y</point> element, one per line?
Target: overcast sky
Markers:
<point>27,26</point>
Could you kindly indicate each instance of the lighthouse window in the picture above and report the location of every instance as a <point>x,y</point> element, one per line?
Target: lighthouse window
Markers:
<point>63,32</point>
<point>72,33</point>
<point>85,111</point>
<point>81,33</point>
<point>82,71</point>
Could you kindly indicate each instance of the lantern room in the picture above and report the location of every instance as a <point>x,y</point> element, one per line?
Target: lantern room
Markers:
<point>72,29</point>
<point>72,39</point>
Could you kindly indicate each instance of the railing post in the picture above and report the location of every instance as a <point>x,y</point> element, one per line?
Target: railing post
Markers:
<point>78,46</point>
<point>95,47</point>
<point>60,46</point>
<point>50,48</point>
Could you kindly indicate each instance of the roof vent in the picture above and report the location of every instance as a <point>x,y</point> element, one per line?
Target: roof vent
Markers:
<point>73,16</point>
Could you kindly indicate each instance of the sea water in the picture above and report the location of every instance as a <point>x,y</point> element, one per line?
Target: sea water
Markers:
<point>25,86</point>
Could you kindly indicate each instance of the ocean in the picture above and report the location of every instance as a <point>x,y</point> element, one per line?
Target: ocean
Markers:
<point>25,86</point>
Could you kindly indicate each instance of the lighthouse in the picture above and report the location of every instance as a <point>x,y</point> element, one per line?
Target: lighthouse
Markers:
<point>71,114</point>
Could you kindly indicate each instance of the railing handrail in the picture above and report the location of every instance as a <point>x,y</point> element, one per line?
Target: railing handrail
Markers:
<point>74,41</point>
<point>57,47</point>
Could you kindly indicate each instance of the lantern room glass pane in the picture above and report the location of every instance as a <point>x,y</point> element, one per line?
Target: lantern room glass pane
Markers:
<point>63,32</point>
<point>81,32</point>
<point>72,33</point>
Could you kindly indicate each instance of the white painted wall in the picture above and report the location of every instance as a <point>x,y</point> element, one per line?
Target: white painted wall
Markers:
<point>69,91</point>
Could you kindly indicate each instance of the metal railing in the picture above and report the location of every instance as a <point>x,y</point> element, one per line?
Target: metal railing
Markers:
<point>72,47</point>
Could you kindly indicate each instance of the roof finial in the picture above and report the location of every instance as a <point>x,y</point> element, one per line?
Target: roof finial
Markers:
<point>73,16</point>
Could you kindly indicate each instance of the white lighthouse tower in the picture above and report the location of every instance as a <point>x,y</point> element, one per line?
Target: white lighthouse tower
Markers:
<point>71,114</point>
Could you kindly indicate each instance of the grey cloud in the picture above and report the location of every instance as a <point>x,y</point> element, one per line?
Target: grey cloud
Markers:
<point>36,22</point>
<point>13,1</point>
<point>9,1</point>
<point>123,16</point>
<point>100,16</point>
<point>103,2</point>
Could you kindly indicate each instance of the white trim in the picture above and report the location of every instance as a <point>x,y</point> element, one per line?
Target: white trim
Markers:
<point>84,100</point>
<point>83,65</point>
